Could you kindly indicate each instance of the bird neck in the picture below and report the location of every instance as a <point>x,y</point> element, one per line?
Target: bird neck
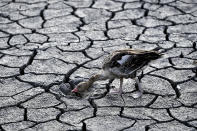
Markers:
<point>96,78</point>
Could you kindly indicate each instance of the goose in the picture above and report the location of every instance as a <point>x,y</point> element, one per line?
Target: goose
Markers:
<point>121,64</point>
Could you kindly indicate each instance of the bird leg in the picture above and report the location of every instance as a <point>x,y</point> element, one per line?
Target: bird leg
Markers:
<point>118,90</point>
<point>108,85</point>
<point>138,93</point>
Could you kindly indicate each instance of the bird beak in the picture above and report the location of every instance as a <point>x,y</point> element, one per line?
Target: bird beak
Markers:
<point>74,90</point>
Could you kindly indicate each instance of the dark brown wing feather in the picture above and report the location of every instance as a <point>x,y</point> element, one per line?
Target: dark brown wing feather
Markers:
<point>137,59</point>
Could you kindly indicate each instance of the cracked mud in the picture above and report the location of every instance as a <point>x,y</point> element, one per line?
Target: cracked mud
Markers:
<point>47,45</point>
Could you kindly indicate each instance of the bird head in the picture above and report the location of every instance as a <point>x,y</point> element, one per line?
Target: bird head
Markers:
<point>81,87</point>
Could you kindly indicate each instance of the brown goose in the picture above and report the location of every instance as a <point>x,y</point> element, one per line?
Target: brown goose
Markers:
<point>121,64</point>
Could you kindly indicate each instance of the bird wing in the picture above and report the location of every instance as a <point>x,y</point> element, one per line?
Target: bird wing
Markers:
<point>128,61</point>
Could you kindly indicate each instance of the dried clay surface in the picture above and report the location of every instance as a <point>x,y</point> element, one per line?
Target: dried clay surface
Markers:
<point>48,46</point>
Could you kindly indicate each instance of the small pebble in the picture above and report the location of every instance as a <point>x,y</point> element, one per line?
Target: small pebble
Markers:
<point>178,87</point>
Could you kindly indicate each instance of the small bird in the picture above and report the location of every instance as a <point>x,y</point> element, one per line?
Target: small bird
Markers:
<point>121,64</point>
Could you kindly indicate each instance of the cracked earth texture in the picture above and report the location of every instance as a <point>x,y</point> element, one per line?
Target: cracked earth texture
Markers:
<point>47,43</point>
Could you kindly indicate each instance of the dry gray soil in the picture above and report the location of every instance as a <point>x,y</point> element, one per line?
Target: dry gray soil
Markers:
<point>44,43</point>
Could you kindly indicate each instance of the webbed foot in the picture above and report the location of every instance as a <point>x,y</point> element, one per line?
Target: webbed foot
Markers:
<point>116,91</point>
<point>136,94</point>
